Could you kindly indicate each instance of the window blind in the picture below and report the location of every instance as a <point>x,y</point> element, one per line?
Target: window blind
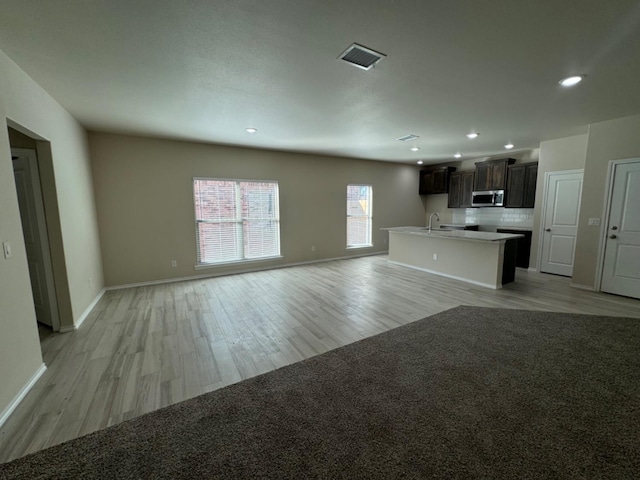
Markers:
<point>359,215</point>
<point>236,220</point>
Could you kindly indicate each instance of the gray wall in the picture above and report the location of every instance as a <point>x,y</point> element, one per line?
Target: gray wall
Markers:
<point>24,103</point>
<point>555,155</point>
<point>611,140</point>
<point>144,197</point>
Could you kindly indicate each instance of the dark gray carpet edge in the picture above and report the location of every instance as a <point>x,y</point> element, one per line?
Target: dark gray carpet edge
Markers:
<point>468,393</point>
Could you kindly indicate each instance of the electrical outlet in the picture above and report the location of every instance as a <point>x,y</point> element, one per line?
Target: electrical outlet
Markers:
<point>594,222</point>
<point>174,264</point>
<point>435,256</point>
<point>313,248</point>
<point>6,247</point>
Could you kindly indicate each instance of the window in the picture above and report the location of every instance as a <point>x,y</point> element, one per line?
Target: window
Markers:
<point>359,217</point>
<point>236,220</point>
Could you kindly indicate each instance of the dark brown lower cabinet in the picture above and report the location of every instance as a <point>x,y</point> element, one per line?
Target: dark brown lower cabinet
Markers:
<point>523,246</point>
<point>509,261</point>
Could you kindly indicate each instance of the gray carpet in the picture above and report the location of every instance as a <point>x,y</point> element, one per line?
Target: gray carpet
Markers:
<point>468,393</point>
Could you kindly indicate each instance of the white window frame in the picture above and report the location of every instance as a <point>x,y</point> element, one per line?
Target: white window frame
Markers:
<point>368,214</point>
<point>238,220</point>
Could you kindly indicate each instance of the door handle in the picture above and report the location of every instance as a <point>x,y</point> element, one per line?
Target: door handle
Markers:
<point>614,228</point>
<point>613,236</point>
<point>547,229</point>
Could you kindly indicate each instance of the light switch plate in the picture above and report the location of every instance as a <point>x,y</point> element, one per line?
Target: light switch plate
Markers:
<point>6,248</point>
<point>594,222</point>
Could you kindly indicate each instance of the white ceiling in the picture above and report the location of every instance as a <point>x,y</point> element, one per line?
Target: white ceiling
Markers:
<point>205,70</point>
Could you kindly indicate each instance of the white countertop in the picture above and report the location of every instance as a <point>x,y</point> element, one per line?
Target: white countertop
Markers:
<point>468,235</point>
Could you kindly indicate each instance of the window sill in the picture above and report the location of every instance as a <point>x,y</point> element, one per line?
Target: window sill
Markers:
<point>203,266</point>
<point>358,247</point>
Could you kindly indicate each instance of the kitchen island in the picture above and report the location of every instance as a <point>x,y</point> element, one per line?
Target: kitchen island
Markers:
<point>483,258</point>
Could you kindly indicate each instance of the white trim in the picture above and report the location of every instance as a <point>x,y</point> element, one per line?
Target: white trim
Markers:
<point>481,284</point>
<point>85,314</point>
<point>4,416</point>
<point>531,269</point>
<point>368,215</point>
<point>236,272</point>
<point>582,287</point>
<point>204,266</point>
<point>238,220</point>
<point>218,179</point>
<point>606,211</point>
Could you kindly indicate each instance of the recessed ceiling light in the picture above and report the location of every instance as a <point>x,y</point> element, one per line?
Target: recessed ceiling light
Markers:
<point>509,146</point>
<point>458,155</point>
<point>419,162</point>
<point>415,149</point>
<point>251,130</point>
<point>571,81</point>
<point>472,135</point>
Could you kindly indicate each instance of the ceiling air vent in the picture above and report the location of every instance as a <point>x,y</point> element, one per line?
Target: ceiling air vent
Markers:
<point>408,138</point>
<point>361,57</point>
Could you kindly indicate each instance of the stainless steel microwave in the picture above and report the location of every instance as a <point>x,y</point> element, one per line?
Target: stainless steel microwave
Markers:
<point>488,198</point>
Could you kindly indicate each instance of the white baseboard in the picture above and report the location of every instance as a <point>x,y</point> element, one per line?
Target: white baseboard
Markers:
<point>85,314</point>
<point>453,277</point>
<point>6,413</point>
<point>582,287</point>
<point>236,272</point>
<point>531,269</point>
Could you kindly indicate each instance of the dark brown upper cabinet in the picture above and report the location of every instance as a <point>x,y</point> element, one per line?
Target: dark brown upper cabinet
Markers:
<point>521,185</point>
<point>435,179</point>
<point>530,182</point>
<point>460,189</point>
<point>455,190</point>
<point>492,174</point>
<point>467,189</point>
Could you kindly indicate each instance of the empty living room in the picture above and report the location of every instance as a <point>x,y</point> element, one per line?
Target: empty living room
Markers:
<point>319,239</point>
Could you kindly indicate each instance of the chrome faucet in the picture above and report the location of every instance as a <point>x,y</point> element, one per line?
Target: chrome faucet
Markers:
<point>431,218</point>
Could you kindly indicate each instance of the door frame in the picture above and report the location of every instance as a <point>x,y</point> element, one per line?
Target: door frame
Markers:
<point>543,212</point>
<point>606,211</point>
<point>45,244</point>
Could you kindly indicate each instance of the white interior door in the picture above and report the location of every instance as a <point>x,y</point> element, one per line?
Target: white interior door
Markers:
<point>562,207</point>
<point>621,269</point>
<point>25,169</point>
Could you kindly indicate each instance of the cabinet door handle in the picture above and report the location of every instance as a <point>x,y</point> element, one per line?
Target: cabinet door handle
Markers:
<point>613,236</point>
<point>547,229</point>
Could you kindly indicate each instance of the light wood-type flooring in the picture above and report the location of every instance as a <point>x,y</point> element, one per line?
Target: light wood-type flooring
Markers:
<point>148,347</point>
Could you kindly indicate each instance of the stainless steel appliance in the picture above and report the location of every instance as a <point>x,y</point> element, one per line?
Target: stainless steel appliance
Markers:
<point>488,198</point>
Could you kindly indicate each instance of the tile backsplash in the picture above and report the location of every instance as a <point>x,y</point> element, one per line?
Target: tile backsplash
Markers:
<point>513,217</point>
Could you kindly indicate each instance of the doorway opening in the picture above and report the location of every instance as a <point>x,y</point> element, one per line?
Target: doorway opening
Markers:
<point>37,201</point>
